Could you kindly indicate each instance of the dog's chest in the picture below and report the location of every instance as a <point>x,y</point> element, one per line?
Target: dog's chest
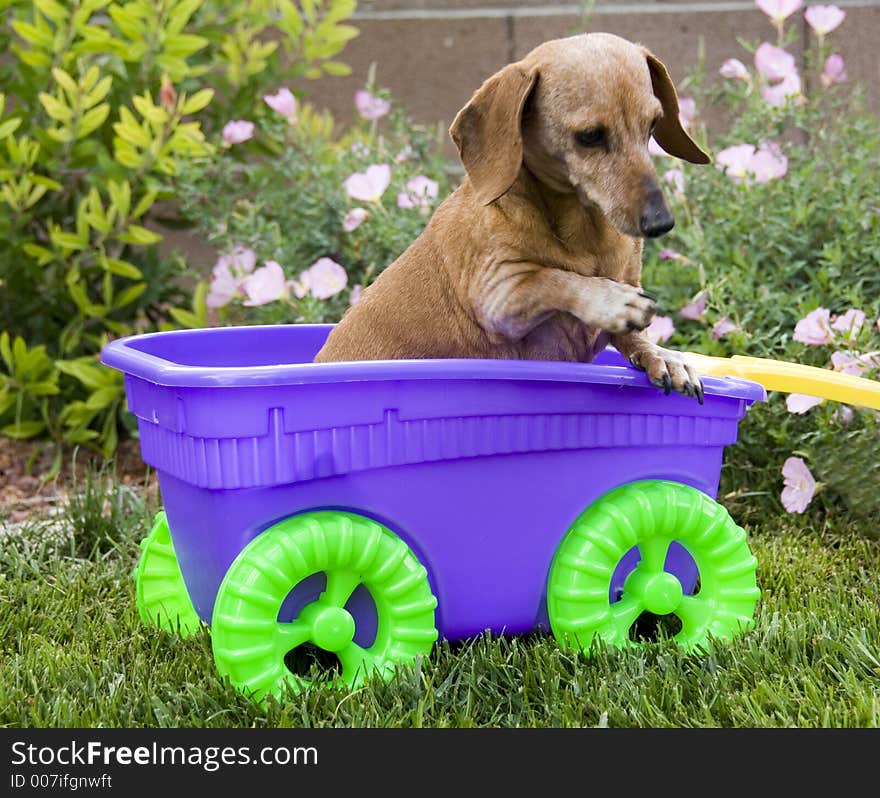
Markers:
<point>561,337</point>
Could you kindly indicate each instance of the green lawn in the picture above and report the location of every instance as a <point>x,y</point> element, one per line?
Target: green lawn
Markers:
<point>74,653</point>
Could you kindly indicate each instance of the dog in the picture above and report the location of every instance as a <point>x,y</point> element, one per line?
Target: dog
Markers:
<point>538,253</point>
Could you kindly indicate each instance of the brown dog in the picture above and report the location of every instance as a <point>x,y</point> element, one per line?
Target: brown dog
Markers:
<point>539,250</point>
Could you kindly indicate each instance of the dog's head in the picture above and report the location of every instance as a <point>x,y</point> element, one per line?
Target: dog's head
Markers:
<point>578,113</point>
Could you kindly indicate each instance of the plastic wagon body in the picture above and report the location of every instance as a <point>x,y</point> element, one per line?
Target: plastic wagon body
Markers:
<point>479,466</point>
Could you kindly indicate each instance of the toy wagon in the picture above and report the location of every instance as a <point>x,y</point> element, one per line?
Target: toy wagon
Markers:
<point>368,508</point>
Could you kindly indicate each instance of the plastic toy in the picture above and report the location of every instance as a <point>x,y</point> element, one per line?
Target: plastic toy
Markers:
<point>369,508</point>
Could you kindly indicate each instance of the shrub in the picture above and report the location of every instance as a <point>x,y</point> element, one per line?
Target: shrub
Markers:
<point>102,103</point>
<point>784,227</point>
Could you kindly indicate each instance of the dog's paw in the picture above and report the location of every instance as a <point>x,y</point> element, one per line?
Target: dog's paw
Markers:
<point>620,308</point>
<point>669,370</point>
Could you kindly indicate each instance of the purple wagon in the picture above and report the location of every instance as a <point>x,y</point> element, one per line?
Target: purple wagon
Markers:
<point>367,508</point>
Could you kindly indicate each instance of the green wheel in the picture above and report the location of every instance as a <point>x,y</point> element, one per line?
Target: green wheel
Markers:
<point>251,642</point>
<point>162,598</point>
<point>651,515</point>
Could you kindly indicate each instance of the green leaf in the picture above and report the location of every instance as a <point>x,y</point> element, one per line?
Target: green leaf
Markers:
<point>184,44</point>
<point>31,33</point>
<point>129,295</point>
<point>40,254</point>
<point>44,388</point>
<point>195,103</point>
<point>103,397</point>
<point>140,236</point>
<point>336,68</point>
<point>86,370</point>
<point>66,82</point>
<point>53,10</point>
<point>98,93</point>
<point>92,120</point>
<point>55,108</point>
<point>64,240</point>
<point>185,318</point>
<point>23,429</point>
<point>144,204</point>
<point>121,268</point>
<point>9,126</point>
<point>6,352</point>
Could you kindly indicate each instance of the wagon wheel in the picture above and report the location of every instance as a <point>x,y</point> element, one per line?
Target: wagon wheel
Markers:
<point>651,515</point>
<point>251,642</point>
<point>160,592</point>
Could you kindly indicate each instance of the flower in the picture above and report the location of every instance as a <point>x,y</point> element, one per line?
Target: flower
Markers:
<point>834,71</point>
<point>265,285</point>
<point>325,278</point>
<point>353,219</point>
<point>360,149</point>
<point>843,415</point>
<point>695,309</point>
<point>660,329</point>
<point>370,185</point>
<point>736,160</point>
<point>773,62</point>
<point>167,94</point>
<point>735,69</point>
<point>850,322</point>
<point>847,363</point>
<point>355,293</point>
<point>670,254</point>
<point>799,485</point>
<point>722,327</point>
<point>405,154</point>
<point>369,106</point>
<point>687,111</point>
<point>814,329</point>
<point>777,94</point>
<point>824,19</point>
<point>228,275</point>
<point>419,193</point>
<point>237,131</point>
<point>746,164</point>
<point>675,178</point>
<point>800,402</point>
<point>283,103</point>
<point>768,163</point>
<point>778,10</point>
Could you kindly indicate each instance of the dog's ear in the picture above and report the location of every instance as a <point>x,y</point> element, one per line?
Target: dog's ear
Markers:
<point>669,133</point>
<point>488,131</point>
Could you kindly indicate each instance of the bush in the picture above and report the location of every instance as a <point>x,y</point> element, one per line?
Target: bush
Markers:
<point>102,104</point>
<point>783,228</point>
<point>324,214</point>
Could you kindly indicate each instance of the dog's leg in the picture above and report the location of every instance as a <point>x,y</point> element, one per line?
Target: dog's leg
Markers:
<point>522,295</point>
<point>665,368</point>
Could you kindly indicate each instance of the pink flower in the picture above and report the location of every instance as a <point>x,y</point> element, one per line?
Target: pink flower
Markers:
<point>850,322</point>
<point>670,254</point>
<point>815,328</point>
<point>355,294</point>
<point>660,329</point>
<point>353,219</point>
<point>369,106</point>
<point>847,363</point>
<point>799,485</point>
<point>843,415</point>
<point>777,94</point>
<point>695,309</point>
<point>800,403</point>
<point>735,69</point>
<point>237,131</point>
<point>722,327</point>
<point>778,10</point>
<point>834,71</point>
<point>283,103</point>
<point>405,154</point>
<point>228,275</point>
<point>265,285</point>
<point>878,325</point>
<point>773,62</point>
<point>768,163</point>
<point>675,178</point>
<point>654,148</point>
<point>325,278</point>
<point>687,111</point>
<point>419,193</point>
<point>736,161</point>
<point>370,185</point>
<point>824,19</point>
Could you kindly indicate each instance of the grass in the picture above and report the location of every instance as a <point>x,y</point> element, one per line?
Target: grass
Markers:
<point>73,652</point>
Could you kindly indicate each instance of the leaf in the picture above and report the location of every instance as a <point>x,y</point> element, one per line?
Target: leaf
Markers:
<point>40,254</point>
<point>9,126</point>
<point>92,120</point>
<point>129,295</point>
<point>91,376</point>
<point>55,108</point>
<point>144,204</point>
<point>184,44</point>
<point>140,236</point>
<point>336,68</point>
<point>66,82</point>
<point>32,34</point>
<point>23,429</point>
<point>98,93</point>
<point>122,268</point>
<point>103,397</point>
<point>44,388</point>
<point>185,317</point>
<point>64,240</point>
<point>197,102</point>
<point>6,352</point>
<point>52,10</point>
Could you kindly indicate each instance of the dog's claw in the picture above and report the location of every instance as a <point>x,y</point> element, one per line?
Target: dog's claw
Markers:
<point>667,384</point>
<point>700,391</point>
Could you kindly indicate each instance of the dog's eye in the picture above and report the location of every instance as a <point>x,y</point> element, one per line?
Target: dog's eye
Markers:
<point>594,137</point>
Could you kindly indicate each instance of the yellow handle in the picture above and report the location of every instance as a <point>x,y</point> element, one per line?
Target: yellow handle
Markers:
<point>777,375</point>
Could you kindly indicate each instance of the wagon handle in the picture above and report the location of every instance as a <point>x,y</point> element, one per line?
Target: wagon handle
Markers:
<point>777,375</point>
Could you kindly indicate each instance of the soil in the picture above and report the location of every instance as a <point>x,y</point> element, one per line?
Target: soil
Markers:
<point>25,490</point>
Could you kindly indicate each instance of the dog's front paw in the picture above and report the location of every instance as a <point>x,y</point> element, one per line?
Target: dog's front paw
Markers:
<point>669,370</point>
<point>620,308</point>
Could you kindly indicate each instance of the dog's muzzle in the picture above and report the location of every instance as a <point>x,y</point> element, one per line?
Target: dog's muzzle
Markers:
<point>655,218</point>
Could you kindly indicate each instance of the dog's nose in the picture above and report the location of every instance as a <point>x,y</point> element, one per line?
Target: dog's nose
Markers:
<point>656,218</point>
